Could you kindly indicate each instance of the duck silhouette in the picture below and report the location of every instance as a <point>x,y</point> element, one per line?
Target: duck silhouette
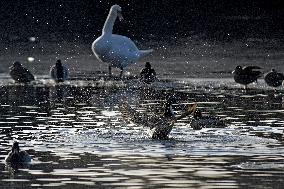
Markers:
<point>58,72</point>
<point>17,156</point>
<point>274,78</point>
<point>246,75</point>
<point>20,74</point>
<point>200,121</point>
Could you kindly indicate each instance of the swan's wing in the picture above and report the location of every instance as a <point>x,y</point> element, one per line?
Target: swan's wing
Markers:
<point>139,118</point>
<point>121,42</point>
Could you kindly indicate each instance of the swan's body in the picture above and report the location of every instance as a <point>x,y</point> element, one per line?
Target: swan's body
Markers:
<point>199,121</point>
<point>58,72</point>
<point>20,74</point>
<point>273,78</point>
<point>17,156</point>
<point>116,50</point>
<point>246,75</point>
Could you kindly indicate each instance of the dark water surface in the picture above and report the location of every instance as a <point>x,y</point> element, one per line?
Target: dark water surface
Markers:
<point>78,137</point>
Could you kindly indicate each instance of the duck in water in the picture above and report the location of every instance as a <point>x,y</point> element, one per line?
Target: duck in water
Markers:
<point>20,74</point>
<point>200,121</point>
<point>162,125</point>
<point>58,72</point>
<point>273,78</point>
<point>246,75</point>
<point>17,156</point>
<point>148,74</point>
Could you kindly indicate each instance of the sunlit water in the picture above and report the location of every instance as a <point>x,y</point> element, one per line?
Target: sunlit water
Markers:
<point>78,137</point>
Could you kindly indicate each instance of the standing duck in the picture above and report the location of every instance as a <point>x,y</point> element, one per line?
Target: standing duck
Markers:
<point>199,121</point>
<point>273,78</point>
<point>116,50</point>
<point>20,74</point>
<point>17,156</point>
<point>160,125</point>
<point>246,75</point>
<point>58,72</point>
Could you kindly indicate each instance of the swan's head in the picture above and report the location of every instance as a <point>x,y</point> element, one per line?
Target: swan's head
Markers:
<point>117,9</point>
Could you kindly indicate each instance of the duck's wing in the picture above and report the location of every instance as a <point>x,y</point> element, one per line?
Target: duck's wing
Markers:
<point>21,75</point>
<point>28,75</point>
<point>252,71</point>
<point>191,109</point>
<point>251,68</point>
<point>138,117</point>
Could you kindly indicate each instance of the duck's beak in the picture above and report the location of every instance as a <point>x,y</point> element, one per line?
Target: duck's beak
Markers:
<point>120,17</point>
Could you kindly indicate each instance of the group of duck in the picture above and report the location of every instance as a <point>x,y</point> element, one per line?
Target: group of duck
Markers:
<point>20,74</point>
<point>160,125</point>
<point>249,74</point>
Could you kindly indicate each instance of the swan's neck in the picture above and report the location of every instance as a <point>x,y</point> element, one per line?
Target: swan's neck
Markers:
<point>108,26</point>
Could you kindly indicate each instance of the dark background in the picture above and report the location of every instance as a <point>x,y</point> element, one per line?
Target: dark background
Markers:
<point>83,19</point>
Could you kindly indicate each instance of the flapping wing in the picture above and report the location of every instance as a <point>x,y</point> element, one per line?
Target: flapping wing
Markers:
<point>191,109</point>
<point>138,117</point>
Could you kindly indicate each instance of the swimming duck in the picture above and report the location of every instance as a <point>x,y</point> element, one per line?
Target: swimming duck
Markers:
<point>148,74</point>
<point>199,121</point>
<point>116,50</point>
<point>161,125</point>
<point>58,72</point>
<point>20,74</point>
<point>17,156</point>
<point>273,78</point>
<point>246,75</point>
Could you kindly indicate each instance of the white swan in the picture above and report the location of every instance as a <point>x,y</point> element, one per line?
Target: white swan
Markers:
<point>116,50</point>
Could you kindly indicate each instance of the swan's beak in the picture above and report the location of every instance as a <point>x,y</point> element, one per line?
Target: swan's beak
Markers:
<point>120,17</point>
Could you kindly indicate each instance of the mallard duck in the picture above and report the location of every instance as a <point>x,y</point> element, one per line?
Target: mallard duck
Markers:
<point>58,72</point>
<point>20,74</point>
<point>199,121</point>
<point>17,156</point>
<point>246,75</point>
<point>160,125</point>
<point>116,50</point>
<point>273,78</point>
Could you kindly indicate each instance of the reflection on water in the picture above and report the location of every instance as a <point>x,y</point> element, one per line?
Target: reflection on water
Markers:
<point>78,137</point>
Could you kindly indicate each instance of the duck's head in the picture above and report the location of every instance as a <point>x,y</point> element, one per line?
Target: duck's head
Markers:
<point>168,106</point>
<point>148,65</point>
<point>237,70</point>
<point>58,63</point>
<point>117,9</point>
<point>17,64</point>
<point>197,114</point>
<point>273,70</point>
<point>15,147</point>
